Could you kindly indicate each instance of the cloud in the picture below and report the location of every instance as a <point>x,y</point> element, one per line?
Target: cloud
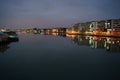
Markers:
<point>47,12</point>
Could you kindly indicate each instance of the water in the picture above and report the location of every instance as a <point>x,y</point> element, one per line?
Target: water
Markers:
<point>44,57</point>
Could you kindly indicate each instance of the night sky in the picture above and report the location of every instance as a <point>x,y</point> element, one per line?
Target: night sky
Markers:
<point>55,13</point>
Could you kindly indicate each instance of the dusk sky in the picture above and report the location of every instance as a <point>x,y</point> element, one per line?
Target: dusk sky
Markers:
<point>55,13</point>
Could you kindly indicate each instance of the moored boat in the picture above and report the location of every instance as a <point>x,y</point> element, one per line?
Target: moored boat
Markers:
<point>12,35</point>
<point>3,37</point>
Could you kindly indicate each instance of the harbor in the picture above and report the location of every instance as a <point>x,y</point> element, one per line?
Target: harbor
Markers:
<point>60,56</point>
<point>59,40</point>
<point>103,28</point>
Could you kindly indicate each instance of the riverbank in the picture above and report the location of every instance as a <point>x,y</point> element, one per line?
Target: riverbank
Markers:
<point>101,34</point>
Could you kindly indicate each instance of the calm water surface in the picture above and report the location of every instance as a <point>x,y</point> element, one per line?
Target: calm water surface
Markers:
<point>44,57</point>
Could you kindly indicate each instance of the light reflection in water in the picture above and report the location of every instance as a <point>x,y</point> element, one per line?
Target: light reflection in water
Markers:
<point>4,46</point>
<point>111,44</point>
<point>108,43</point>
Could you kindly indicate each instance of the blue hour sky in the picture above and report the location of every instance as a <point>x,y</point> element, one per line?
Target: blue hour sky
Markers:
<point>55,13</point>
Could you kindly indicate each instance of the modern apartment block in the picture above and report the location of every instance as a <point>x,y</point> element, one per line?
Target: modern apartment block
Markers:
<point>113,25</point>
<point>102,27</point>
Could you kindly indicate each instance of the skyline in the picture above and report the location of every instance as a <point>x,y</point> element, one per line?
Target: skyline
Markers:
<point>54,13</point>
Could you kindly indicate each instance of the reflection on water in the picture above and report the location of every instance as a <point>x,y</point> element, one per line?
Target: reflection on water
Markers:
<point>4,46</point>
<point>108,43</point>
<point>111,44</point>
<point>44,57</point>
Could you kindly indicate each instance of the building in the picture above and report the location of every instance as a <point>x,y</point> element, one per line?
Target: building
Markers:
<point>113,27</point>
<point>68,30</point>
<point>85,28</point>
<point>61,30</point>
<point>100,26</point>
<point>115,24</point>
<point>75,27</point>
<point>54,30</point>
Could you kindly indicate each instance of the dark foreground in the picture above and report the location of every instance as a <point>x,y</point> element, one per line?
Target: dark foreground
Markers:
<point>47,57</point>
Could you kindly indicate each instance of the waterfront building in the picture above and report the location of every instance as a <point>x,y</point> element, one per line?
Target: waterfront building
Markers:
<point>54,30</point>
<point>68,30</point>
<point>81,27</point>
<point>75,28</point>
<point>61,30</point>
<point>98,27</point>
<point>113,27</point>
<point>92,26</point>
<point>103,27</point>
<point>49,31</point>
<point>84,27</point>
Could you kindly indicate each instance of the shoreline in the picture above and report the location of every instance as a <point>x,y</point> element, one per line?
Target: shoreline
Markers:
<point>98,35</point>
